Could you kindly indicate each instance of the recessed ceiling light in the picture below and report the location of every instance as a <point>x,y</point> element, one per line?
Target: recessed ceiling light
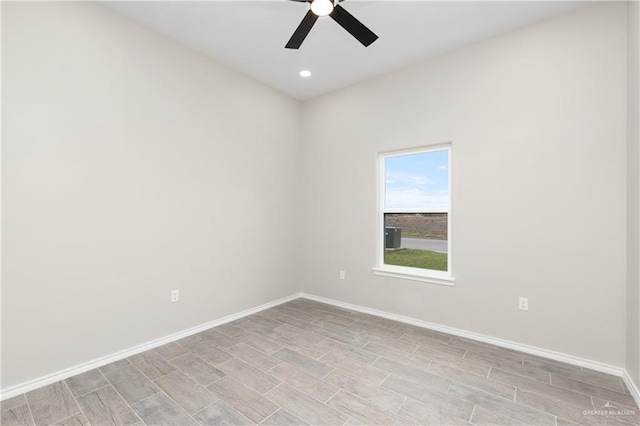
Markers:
<point>305,73</point>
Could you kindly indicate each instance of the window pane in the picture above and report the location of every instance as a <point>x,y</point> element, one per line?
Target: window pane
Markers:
<point>417,240</point>
<point>417,181</point>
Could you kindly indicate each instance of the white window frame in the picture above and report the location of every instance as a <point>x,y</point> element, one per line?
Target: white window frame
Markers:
<point>405,272</point>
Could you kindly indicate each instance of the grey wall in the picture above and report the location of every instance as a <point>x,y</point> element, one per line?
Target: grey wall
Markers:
<point>633,192</point>
<point>537,119</point>
<point>132,166</point>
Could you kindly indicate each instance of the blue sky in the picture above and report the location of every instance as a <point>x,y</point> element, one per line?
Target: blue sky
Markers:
<point>417,181</point>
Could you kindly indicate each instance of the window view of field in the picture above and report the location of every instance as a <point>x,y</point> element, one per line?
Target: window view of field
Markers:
<point>417,240</point>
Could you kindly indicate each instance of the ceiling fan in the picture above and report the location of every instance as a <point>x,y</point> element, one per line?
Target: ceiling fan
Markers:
<point>330,8</point>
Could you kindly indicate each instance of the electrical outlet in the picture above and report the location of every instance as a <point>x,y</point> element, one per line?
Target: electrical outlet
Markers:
<point>523,303</point>
<point>343,275</point>
<point>175,296</point>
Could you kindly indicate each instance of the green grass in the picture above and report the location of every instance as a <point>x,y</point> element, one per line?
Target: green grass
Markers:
<point>424,259</point>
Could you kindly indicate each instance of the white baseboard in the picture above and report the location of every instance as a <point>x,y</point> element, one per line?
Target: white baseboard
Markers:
<point>99,362</point>
<point>569,359</point>
<point>545,353</point>
<point>632,386</point>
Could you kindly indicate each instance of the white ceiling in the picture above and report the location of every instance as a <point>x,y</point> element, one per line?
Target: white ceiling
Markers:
<point>249,36</point>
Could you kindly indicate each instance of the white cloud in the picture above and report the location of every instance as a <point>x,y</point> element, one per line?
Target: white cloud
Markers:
<point>416,198</point>
<point>443,168</point>
<point>401,178</point>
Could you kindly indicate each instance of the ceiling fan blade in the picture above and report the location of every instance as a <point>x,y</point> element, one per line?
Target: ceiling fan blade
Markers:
<point>351,24</point>
<point>303,29</point>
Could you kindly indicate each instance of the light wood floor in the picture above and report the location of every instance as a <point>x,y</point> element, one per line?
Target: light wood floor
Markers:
<point>309,363</point>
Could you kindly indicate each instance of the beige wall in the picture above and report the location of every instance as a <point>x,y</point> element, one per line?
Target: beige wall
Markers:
<point>133,166</point>
<point>537,121</point>
<point>633,191</point>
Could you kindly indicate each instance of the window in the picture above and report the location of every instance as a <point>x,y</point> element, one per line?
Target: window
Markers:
<point>414,227</point>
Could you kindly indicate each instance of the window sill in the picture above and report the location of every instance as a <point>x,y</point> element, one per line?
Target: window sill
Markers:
<point>409,274</point>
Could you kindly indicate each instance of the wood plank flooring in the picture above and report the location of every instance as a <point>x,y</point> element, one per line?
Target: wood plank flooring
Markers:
<point>305,362</point>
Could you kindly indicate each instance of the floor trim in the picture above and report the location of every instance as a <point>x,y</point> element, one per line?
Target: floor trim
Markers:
<point>81,368</point>
<point>99,362</point>
<point>633,388</point>
<point>569,359</point>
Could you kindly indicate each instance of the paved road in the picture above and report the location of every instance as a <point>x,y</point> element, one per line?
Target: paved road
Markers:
<point>424,244</point>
